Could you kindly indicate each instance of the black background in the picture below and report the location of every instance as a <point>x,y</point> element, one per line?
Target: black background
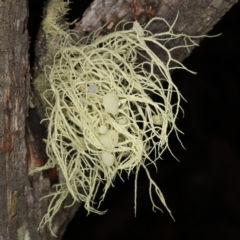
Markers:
<point>202,190</point>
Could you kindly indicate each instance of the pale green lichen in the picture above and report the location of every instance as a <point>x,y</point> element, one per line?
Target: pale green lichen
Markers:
<point>103,120</point>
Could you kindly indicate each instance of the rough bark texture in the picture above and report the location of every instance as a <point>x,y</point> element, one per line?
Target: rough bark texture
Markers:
<point>14,81</point>
<point>196,17</point>
<point>21,146</point>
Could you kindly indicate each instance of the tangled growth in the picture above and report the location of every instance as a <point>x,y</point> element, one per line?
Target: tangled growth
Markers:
<point>102,113</point>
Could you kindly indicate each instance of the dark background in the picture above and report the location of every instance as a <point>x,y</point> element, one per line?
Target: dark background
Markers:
<point>202,190</point>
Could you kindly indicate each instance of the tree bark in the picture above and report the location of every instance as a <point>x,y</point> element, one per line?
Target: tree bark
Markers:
<point>195,17</point>
<point>21,145</point>
<point>14,86</point>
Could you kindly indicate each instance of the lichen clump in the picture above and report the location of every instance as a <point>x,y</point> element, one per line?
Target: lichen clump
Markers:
<point>103,119</point>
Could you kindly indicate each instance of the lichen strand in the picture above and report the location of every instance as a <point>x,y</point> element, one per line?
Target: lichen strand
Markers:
<point>56,30</point>
<point>54,25</point>
<point>92,141</point>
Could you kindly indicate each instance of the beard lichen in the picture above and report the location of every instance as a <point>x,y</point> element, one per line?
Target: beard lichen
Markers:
<point>102,116</point>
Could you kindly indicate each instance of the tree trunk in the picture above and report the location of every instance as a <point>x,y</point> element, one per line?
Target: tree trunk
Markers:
<point>21,146</point>
<point>14,87</point>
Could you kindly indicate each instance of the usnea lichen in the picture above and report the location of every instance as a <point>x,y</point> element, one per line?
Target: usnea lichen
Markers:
<point>103,119</point>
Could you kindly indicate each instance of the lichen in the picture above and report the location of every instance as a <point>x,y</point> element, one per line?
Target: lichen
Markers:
<point>103,119</point>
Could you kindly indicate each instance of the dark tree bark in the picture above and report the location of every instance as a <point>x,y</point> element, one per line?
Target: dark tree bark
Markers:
<point>14,86</point>
<point>195,17</point>
<point>21,146</point>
